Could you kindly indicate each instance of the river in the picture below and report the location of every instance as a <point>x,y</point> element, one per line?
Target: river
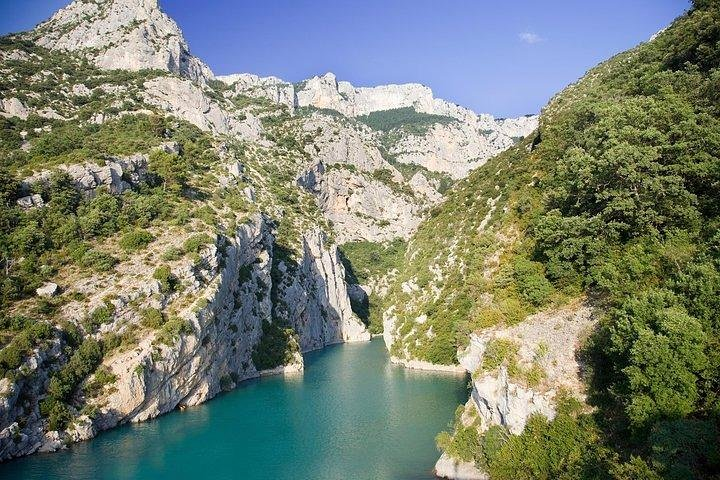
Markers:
<point>351,415</point>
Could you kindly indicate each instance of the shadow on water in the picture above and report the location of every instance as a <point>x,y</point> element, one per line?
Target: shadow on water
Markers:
<point>351,415</point>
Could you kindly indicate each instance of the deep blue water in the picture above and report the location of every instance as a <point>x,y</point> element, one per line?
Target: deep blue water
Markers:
<point>352,415</point>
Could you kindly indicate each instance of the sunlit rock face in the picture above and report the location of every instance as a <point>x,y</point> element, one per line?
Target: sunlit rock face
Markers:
<point>122,34</point>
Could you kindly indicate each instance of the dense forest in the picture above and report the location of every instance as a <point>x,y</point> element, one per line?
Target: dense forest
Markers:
<point>615,198</point>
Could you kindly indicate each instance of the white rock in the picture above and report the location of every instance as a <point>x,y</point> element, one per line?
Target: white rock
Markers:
<point>90,176</point>
<point>188,101</point>
<point>30,201</point>
<point>169,147</point>
<point>81,90</point>
<point>82,429</point>
<point>47,290</point>
<point>13,107</point>
<point>249,193</point>
<point>122,34</point>
<point>51,442</point>
<point>269,88</point>
<point>448,467</point>
<point>235,169</point>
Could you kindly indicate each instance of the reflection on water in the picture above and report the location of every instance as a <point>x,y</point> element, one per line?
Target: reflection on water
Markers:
<point>351,415</point>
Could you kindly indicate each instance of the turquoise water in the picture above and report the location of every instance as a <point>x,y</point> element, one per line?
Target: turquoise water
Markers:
<point>352,415</point>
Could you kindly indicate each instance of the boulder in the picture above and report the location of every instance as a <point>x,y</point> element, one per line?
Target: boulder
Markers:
<point>235,169</point>
<point>30,201</point>
<point>12,107</point>
<point>448,467</point>
<point>48,290</point>
<point>52,441</point>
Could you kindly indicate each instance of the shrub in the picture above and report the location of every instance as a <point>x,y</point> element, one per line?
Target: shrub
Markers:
<point>173,170</point>
<point>196,242</point>
<point>57,413</point>
<point>173,328</point>
<point>545,449</point>
<point>13,354</point>
<point>102,377</point>
<point>535,375</point>
<point>171,254</point>
<point>97,260</point>
<point>164,275</point>
<point>406,118</point>
<point>113,340</point>
<point>100,316</point>
<point>152,318</point>
<point>462,445</point>
<point>499,352</point>
<point>276,347</point>
<point>82,362</point>
<point>135,240</point>
<point>530,282</point>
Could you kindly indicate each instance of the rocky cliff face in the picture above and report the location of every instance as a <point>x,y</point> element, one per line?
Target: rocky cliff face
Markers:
<point>187,100</point>
<point>313,297</point>
<point>353,183</point>
<point>548,341</point>
<point>128,34</point>
<point>272,89</point>
<point>326,92</point>
<point>455,148</point>
<point>237,284</point>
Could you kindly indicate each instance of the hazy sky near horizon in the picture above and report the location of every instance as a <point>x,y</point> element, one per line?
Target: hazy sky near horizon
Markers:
<point>501,57</point>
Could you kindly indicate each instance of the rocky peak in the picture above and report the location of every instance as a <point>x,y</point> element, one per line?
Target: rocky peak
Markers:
<point>122,34</point>
<point>327,92</point>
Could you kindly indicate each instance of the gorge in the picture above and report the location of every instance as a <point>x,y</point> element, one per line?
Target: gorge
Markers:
<point>170,236</point>
<point>351,414</point>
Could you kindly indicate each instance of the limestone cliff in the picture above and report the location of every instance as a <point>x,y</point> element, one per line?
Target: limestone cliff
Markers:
<point>122,34</point>
<point>548,341</point>
<point>238,282</point>
<point>455,148</point>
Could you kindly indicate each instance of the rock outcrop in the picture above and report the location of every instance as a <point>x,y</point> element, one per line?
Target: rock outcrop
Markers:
<point>454,148</point>
<point>364,196</point>
<point>13,107</point>
<point>448,467</point>
<point>187,100</point>
<point>315,297</point>
<point>326,92</point>
<point>272,89</point>
<point>359,205</point>
<point>117,175</point>
<point>549,340</point>
<point>458,147</point>
<point>122,34</point>
<point>155,378</point>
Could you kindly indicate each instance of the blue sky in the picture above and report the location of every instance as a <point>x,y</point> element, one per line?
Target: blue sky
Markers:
<point>502,57</point>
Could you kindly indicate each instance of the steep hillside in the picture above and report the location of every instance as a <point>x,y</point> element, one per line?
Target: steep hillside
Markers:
<point>599,236</point>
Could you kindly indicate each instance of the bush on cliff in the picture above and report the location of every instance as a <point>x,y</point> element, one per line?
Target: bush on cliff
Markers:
<point>276,347</point>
